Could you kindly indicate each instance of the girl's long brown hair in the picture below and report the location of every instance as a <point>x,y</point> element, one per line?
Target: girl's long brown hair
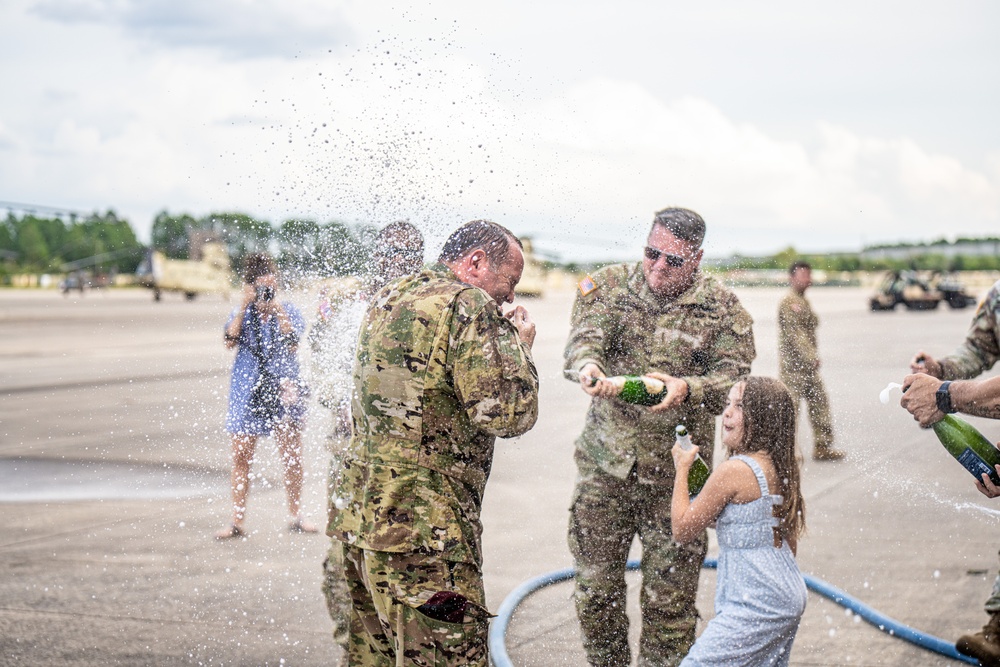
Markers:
<point>769,426</point>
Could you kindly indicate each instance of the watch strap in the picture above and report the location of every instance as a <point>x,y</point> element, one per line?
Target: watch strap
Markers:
<point>943,398</point>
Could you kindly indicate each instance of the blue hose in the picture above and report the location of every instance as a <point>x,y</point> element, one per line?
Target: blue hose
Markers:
<point>498,631</point>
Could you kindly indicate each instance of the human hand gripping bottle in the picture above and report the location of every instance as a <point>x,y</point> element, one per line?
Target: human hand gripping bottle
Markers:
<point>963,441</point>
<point>635,389</point>
<point>699,472</point>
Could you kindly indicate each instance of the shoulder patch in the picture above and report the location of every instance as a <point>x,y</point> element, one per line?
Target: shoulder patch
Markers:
<point>587,285</point>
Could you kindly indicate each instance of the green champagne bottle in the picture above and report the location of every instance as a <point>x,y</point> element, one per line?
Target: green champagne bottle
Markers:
<point>699,472</point>
<point>638,389</point>
<point>969,447</point>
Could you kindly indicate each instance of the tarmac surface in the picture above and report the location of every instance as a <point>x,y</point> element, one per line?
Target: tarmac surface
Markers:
<point>114,475</point>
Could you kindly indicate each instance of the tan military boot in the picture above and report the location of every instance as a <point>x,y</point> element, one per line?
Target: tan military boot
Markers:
<point>828,454</point>
<point>984,645</point>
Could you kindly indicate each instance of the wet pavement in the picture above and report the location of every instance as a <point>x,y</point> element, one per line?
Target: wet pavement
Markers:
<point>113,477</point>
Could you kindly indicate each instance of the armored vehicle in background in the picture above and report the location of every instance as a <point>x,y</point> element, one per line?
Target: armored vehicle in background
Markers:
<point>917,290</point>
<point>532,283</point>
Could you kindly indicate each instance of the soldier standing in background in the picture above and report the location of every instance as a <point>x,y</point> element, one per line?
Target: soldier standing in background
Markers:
<point>798,359</point>
<point>978,353</point>
<point>398,251</point>
<point>440,374</point>
<point>664,318</point>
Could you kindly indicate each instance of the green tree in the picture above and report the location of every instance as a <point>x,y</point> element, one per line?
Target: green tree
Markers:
<point>298,241</point>
<point>31,246</point>
<point>342,251</point>
<point>241,233</point>
<point>170,234</point>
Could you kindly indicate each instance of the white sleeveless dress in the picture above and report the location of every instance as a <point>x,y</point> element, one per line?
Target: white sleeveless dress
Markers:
<point>760,593</point>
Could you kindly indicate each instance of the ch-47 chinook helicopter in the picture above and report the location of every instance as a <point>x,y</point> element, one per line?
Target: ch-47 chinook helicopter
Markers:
<point>207,272</point>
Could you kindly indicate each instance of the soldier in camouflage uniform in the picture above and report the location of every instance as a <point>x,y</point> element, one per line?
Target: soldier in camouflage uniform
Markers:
<point>440,374</point>
<point>977,354</point>
<point>660,317</point>
<point>798,358</point>
<point>398,251</point>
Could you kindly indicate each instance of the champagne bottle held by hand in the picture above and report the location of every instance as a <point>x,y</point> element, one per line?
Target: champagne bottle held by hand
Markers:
<point>969,447</point>
<point>635,389</point>
<point>699,472</point>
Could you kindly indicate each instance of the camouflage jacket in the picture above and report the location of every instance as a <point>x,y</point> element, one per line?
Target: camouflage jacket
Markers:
<point>981,348</point>
<point>797,325</point>
<point>439,374</point>
<point>704,337</point>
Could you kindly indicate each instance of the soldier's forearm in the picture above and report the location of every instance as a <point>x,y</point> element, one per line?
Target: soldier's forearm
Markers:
<point>978,398</point>
<point>963,364</point>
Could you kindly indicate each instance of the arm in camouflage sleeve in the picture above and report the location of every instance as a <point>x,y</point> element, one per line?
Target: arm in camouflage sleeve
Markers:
<point>493,373</point>
<point>797,342</point>
<point>588,324</point>
<point>729,360</point>
<point>981,348</point>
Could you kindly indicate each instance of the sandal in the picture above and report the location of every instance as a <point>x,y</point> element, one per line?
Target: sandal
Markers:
<point>300,526</point>
<point>230,532</point>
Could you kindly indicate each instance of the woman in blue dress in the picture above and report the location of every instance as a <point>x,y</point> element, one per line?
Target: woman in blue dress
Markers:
<point>760,593</point>
<point>266,395</point>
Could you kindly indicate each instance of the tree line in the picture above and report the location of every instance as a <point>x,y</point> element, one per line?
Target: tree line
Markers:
<point>924,257</point>
<point>106,243</point>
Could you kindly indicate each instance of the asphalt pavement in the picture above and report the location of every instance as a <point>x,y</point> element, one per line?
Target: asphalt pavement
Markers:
<point>114,476</point>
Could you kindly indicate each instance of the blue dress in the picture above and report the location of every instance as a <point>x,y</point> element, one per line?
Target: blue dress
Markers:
<point>280,357</point>
<point>760,594</point>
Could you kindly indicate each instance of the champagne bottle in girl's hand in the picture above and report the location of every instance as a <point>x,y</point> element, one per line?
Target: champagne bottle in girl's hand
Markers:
<point>699,472</point>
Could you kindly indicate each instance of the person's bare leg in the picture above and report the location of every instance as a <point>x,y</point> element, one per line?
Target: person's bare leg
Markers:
<point>243,451</point>
<point>288,435</point>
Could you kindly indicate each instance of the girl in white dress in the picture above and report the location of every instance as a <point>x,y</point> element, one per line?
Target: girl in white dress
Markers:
<point>760,593</point>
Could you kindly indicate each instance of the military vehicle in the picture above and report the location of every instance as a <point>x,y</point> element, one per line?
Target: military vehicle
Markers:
<point>207,273</point>
<point>918,291</point>
<point>532,282</point>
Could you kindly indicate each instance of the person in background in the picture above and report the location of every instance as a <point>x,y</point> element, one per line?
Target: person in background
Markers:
<point>398,251</point>
<point>266,394</point>
<point>798,357</point>
<point>760,594</point>
<point>664,318</point>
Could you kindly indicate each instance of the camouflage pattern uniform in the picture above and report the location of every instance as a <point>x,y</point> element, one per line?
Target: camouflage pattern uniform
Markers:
<point>440,373</point>
<point>978,354</point>
<point>981,348</point>
<point>625,470</point>
<point>798,358</point>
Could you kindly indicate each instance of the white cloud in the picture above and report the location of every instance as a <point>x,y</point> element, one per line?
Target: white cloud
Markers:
<point>424,127</point>
<point>240,29</point>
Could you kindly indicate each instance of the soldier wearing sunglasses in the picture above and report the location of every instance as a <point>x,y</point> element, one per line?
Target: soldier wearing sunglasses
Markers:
<point>664,318</point>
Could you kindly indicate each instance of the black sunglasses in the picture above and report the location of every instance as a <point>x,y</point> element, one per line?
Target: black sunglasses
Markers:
<point>652,254</point>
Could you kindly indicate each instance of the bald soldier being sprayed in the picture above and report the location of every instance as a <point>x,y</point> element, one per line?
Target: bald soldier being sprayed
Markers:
<point>440,374</point>
<point>663,318</point>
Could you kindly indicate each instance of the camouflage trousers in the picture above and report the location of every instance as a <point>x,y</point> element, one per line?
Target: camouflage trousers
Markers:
<point>338,602</point>
<point>607,513</point>
<point>415,609</point>
<point>809,387</point>
<point>993,603</point>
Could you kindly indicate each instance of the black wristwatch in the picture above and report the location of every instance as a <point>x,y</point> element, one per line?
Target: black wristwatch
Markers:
<point>943,398</point>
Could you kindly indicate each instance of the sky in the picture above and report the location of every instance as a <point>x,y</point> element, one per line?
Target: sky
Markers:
<point>824,127</point>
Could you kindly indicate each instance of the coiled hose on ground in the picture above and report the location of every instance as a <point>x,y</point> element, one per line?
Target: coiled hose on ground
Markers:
<point>498,631</point>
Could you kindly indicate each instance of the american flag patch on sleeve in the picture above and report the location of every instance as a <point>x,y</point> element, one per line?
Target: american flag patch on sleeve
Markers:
<point>586,286</point>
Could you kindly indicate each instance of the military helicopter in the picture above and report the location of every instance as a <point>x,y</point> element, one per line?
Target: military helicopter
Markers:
<point>207,272</point>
